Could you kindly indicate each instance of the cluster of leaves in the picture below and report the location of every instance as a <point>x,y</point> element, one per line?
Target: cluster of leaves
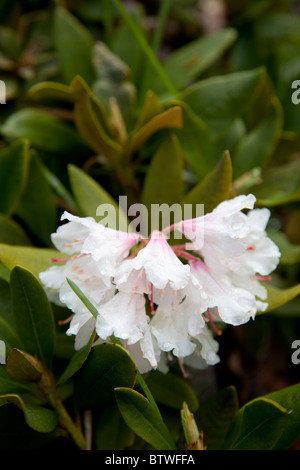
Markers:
<point>92,114</point>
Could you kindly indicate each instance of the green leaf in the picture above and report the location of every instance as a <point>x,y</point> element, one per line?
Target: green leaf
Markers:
<point>172,390</point>
<point>290,253</point>
<point>33,315</point>
<point>90,195</point>
<point>92,122</point>
<point>140,416</point>
<point>8,335</point>
<point>34,259</point>
<point>10,385</point>
<point>112,433</point>
<point>11,232</point>
<point>214,188</point>
<point>36,416</point>
<point>74,44</point>
<point>44,131</point>
<point>279,185</point>
<point>189,61</point>
<point>220,99</point>
<point>278,297</point>
<point>260,424</point>
<point>24,367</point>
<point>164,179</point>
<point>108,366</point>
<point>170,118</point>
<point>195,141</point>
<point>76,362</point>
<point>52,91</point>
<point>215,415</point>
<point>37,207</point>
<point>13,172</point>
<point>256,147</point>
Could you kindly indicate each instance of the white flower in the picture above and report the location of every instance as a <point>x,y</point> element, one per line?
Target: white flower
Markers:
<point>221,229</point>
<point>158,262</point>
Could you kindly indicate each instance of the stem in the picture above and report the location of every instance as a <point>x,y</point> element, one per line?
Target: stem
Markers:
<point>165,79</point>
<point>66,421</point>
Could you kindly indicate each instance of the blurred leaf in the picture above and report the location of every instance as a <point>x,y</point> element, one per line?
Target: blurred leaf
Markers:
<point>108,366</point>
<point>290,253</point>
<point>12,233</point>
<point>37,208</point>
<point>171,118</point>
<point>142,419</point>
<point>256,148</point>
<point>164,179</point>
<point>13,173</point>
<point>74,44</point>
<point>92,123</point>
<point>44,131</point>
<point>112,433</point>
<point>8,335</point>
<point>52,91</point>
<point>195,141</point>
<point>151,107</point>
<point>24,367</point>
<point>89,195</point>
<point>279,185</point>
<point>214,416</point>
<point>33,315</point>
<point>189,61</point>
<point>172,390</point>
<point>270,422</point>
<point>213,189</point>
<point>220,99</point>
<point>36,416</point>
<point>278,297</point>
<point>33,258</point>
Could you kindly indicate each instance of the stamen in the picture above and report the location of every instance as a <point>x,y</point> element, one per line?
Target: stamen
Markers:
<point>67,320</point>
<point>216,330</point>
<point>262,278</point>
<point>250,248</point>
<point>61,260</point>
<point>151,301</point>
<point>185,255</point>
<point>183,371</point>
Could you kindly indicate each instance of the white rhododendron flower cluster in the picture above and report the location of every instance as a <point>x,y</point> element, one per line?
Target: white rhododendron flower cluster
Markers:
<point>160,299</point>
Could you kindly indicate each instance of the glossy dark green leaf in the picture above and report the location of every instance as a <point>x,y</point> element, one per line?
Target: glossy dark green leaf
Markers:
<point>76,362</point>
<point>43,130</point>
<point>13,172</point>
<point>74,44</point>
<point>140,416</point>
<point>256,148</point>
<point>215,415</point>
<point>112,433</point>
<point>214,188</point>
<point>37,417</point>
<point>195,142</point>
<point>37,207</point>
<point>33,315</point>
<point>220,99</point>
<point>10,385</point>
<point>267,423</point>
<point>108,366</point>
<point>172,390</point>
